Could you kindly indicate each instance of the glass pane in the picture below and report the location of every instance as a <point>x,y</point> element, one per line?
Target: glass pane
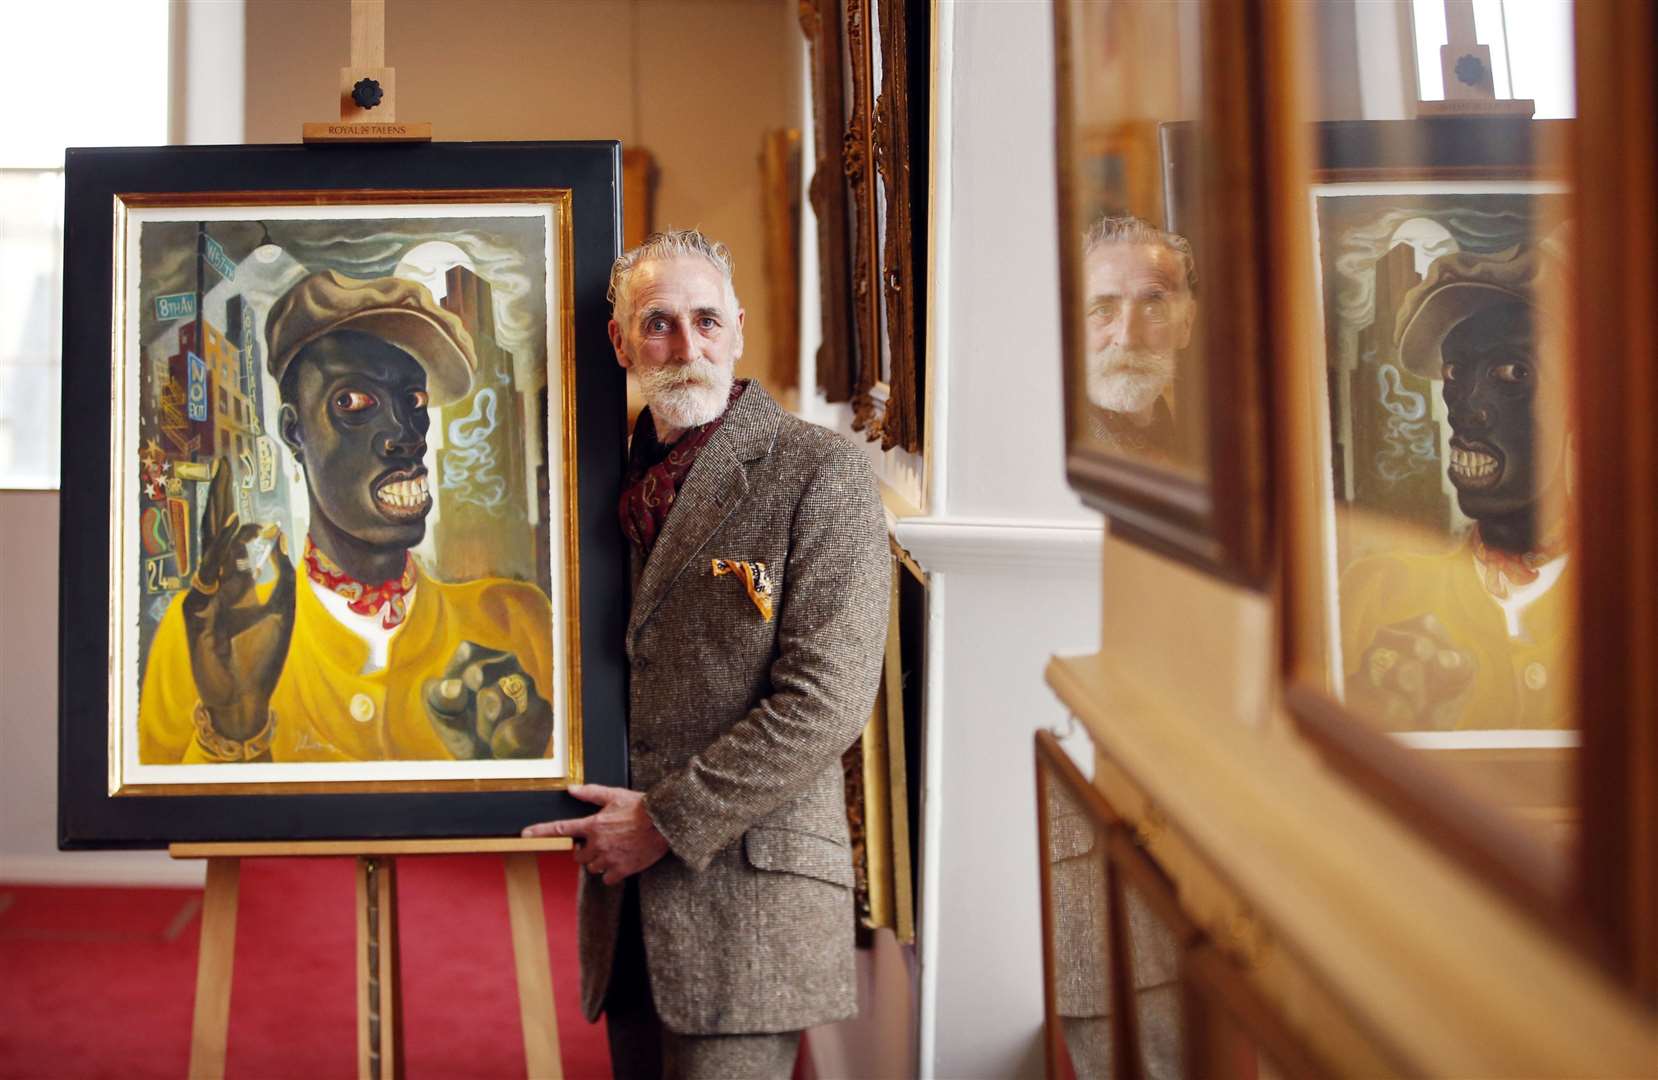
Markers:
<point>1133,97</point>
<point>1154,952</point>
<point>1442,247</point>
<point>1074,846</point>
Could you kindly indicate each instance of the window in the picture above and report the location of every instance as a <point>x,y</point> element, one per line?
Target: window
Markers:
<point>128,36</point>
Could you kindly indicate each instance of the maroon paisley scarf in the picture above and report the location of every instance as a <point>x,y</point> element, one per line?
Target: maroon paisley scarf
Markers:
<point>655,472</point>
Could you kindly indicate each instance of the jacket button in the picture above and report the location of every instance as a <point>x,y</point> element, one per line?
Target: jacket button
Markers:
<point>1536,676</point>
<point>640,663</point>
<point>362,708</point>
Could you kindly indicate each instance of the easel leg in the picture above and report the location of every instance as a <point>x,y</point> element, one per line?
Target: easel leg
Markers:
<point>379,1008</point>
<point>209,1029</point>
<point>535,976</point>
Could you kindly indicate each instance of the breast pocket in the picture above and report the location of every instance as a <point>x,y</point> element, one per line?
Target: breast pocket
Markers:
<point>742,598</point>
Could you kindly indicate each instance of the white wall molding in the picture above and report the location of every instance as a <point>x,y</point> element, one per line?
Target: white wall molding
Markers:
<point>102,868</point>
<point>1002,545</point>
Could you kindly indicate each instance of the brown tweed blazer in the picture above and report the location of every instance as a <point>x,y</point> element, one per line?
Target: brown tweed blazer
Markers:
<point>737,725</point>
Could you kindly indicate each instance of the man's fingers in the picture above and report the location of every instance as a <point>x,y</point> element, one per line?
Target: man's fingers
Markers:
<point>220,494</point>
<point>577,827</point>
<point>598,794</point>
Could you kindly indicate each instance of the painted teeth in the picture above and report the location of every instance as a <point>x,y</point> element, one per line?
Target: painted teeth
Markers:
<point>404,494</point>
<point>1473,464</point>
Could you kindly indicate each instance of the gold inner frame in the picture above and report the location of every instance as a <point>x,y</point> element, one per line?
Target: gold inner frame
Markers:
<point>120,570</point>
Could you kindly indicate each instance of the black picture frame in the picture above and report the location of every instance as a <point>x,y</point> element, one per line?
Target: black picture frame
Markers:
<point>88,815</point>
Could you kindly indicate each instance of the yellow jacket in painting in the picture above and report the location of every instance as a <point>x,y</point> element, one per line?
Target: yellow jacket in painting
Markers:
<point>326,708</point>
<point>1519,681</point>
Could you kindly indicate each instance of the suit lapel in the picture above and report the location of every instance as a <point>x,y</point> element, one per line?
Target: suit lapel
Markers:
<point>718,481</point>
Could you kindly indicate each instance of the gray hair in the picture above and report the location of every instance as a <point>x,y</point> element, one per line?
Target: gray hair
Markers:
<point>670,243</point>
<point>1128,229</point>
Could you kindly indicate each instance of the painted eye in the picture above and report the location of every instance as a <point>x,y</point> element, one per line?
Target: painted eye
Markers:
<point>353,401</point>
<point>657,326</point>
<point>708,322</point>
<point>419,398</point>
<point>1450,372</point>
<point>1512,373</point>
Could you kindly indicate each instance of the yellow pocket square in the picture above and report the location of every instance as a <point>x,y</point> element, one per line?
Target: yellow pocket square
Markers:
<point>754,578</point>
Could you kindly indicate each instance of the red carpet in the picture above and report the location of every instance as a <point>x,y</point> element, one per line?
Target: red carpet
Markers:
<point>99,982</point>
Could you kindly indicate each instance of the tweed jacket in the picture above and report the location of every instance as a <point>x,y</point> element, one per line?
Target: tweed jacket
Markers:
<point>736,728</point>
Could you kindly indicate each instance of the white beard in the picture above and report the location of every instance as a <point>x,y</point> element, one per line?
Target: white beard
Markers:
<point>1125,380</point>
<point>686,396</point>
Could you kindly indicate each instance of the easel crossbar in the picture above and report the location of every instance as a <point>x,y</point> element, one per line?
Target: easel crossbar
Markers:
<point>487,845</point>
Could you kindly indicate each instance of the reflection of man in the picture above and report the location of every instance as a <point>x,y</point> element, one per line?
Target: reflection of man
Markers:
<point>1141,301</point>
<point>1080,907</point>
<point>1474,638</point>
<point>723,921</point>
<point>369,658</point>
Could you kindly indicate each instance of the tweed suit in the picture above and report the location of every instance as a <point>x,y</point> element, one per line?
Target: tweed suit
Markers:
<point>736,727</point>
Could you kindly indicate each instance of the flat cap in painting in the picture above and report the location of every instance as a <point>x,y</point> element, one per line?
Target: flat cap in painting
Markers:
<point>398,311</point>
<point>1456,287</point>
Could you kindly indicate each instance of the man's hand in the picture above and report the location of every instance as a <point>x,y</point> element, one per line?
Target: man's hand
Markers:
<point>487,706</point>
<point>237,644</point>
<point>618,841</point>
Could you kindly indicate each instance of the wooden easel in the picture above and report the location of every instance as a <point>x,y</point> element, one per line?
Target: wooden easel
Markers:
<point>379,1006</point>
<point>1465,65</point>
<point>371,117</point>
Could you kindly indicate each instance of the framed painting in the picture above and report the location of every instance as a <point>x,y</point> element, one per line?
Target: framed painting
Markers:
<point>869,194</point>
<point>1165,427</point>
<point>1233,1032</point>
<point>337,545</point>
<point>1081,959</point>
<point>1115,937</point>
<point>1432,657</point>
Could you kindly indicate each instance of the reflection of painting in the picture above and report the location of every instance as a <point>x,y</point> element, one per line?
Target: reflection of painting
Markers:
<point>1117,172</point>
<point>1448,460</point>
<point>337,458</point>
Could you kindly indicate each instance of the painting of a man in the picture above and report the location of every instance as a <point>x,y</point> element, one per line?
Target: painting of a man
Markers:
<point>1475,637</point>
<point>357,653</point>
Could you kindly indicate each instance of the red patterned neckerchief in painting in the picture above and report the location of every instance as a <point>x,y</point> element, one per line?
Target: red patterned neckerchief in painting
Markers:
<point>391,595</point>
<point>1503,571</point>
<point>655,472</point>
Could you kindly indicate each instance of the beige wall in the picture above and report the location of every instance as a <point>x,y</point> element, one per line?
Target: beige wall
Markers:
<point>695,82</point>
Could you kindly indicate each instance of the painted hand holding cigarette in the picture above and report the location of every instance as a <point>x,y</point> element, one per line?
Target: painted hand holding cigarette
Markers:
<point>237,643</point>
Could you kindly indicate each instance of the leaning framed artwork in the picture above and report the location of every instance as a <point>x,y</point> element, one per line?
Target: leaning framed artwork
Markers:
<point>339,554</point>
<point>1164,397</point>
<point>1432,651</point>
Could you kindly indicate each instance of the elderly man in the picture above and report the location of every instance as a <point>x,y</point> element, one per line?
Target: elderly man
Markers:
<point>370,659</point>
<point>1141,302</point>
<point>716,915</point>
<point>1477,636</point>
